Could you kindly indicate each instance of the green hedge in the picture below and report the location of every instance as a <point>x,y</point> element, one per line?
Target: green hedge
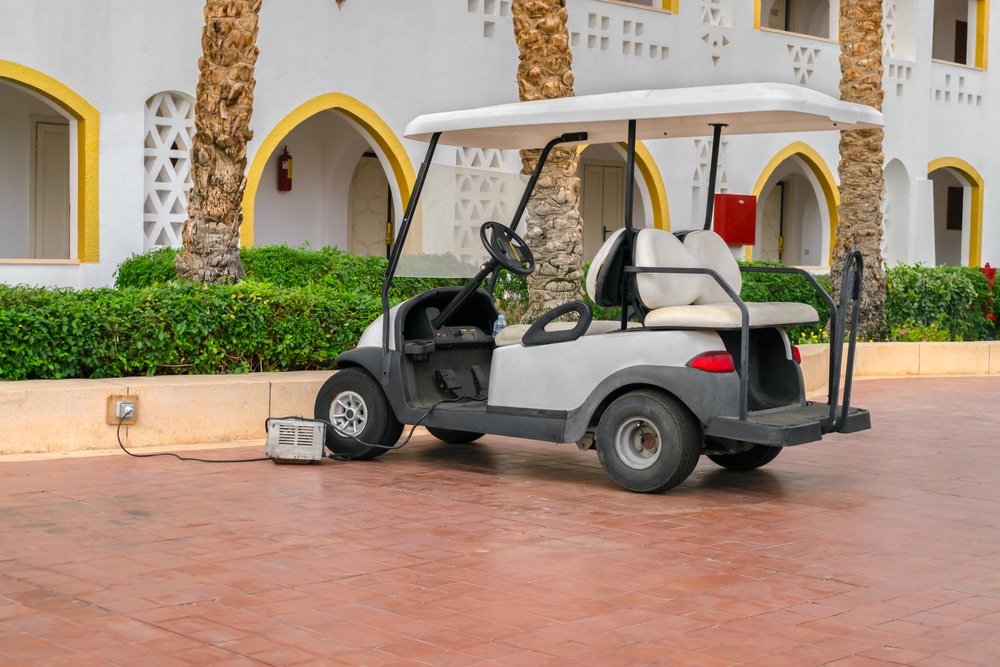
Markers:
<point>177,328</point>
<point>299,308</point>
<point>937,303</point>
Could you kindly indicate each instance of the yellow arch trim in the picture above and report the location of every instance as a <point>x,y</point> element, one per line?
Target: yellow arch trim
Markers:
<point>817,165</point>
<point>976,182</point>
<point>756,15</point>
<point>982,32</point>
<point>672,6</point>
<point>377,129</point>
<point>654,182</point>
<point>88,128</point>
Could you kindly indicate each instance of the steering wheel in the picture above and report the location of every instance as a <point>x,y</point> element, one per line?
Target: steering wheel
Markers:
<point>507,248</point>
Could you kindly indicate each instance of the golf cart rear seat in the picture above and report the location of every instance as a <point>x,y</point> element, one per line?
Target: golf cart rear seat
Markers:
<point>696,300</point>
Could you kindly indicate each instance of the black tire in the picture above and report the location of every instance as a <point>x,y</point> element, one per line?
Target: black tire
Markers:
<point>750,459</point>
<point>648,441</point>
<point>453,437</point>
<point>353,401</point>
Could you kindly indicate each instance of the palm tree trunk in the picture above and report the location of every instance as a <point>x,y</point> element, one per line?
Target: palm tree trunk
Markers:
<point>555,228</point>
<point>861,160</point>
<point>219,150</point>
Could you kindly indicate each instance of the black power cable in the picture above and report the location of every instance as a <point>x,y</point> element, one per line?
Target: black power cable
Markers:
<point>337,457</point>
<point>118,433</point>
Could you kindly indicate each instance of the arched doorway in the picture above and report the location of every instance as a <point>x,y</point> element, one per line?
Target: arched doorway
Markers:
<point>895,213</point>
<point>958,212</point>
<point>602,194</point>
<point>369,209</point>
<point>49,137</point>
<point>343,153</point>
<point>796,208</point>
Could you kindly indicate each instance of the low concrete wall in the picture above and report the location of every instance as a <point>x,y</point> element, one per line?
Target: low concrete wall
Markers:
<point>903,360</point>
<point>48,416</point>
<point>71,415</point>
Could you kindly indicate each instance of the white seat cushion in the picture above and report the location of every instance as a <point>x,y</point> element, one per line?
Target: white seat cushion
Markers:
<point>727,315</point>
<point>657,248</point>
<point>712,252</point>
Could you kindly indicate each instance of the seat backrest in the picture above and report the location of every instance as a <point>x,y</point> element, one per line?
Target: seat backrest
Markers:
<point>658,248</point>
<point>604,277</point>
<point>712,252</point>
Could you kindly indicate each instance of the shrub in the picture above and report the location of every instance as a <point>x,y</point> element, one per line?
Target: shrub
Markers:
<point>950,299</point>
<point>177,328</point>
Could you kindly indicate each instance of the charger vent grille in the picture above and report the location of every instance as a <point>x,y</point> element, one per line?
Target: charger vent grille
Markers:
<point>295,440</point>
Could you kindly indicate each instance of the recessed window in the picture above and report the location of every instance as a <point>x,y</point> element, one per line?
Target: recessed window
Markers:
<point>960,32</point>
<point>804,17</point>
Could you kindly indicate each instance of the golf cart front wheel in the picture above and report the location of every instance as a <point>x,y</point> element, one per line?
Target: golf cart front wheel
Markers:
<point>749,459</point>
<point>648,441</point>
<point>452,436</point>
<point>363,424</point>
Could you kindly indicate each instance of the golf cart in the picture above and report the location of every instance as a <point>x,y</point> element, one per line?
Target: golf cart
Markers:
<point>688,369</point>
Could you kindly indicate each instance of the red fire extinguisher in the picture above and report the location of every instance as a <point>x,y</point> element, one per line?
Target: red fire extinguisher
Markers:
<point>285,171</point>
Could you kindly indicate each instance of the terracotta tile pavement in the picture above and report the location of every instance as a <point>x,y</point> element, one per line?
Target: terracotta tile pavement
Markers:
<point>880,548</point>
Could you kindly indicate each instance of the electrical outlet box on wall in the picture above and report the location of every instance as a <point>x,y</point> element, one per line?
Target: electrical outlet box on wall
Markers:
<point>112,413</point>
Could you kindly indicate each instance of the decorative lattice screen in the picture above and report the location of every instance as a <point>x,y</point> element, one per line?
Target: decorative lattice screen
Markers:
<point>169,129</point>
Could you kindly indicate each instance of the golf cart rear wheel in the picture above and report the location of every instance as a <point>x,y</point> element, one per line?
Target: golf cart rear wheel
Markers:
<point>453,437</point>
<point>750,459</point>
<point>648,442</point>
<point>353,402</point>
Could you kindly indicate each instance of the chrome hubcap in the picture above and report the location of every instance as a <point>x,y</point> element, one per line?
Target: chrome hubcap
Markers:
<point>349,413</point>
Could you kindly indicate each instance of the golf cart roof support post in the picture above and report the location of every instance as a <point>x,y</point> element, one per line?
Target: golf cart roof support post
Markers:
<point>713,171</point>
<point>529,188</point>
<point>397,249</point>
<point>630,232</point>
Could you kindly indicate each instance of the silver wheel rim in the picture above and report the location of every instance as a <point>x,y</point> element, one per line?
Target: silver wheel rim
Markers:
<point>349,413</point>
<point>638,443</point>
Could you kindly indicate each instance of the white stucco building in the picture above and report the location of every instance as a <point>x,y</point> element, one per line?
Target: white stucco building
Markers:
<point>96,102</point>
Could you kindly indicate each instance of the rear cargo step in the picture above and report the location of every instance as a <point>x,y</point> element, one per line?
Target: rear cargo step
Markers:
<point>784,428</point>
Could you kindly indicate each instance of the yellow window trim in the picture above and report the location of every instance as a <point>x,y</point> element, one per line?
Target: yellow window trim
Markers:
<point>817,165</point>
<point>975,182</point>
<point>377,129</point>
<point>982,32</point>
<point>88,124</point>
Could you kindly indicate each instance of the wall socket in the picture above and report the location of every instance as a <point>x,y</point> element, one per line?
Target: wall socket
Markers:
<point>123,408</point>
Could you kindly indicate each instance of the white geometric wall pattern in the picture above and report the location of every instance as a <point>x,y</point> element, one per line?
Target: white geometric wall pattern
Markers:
<point>712,13</point>
<point>485,190</point>
<point>491,11</point>
<point>889,28</point>
<point>699,180</point>
<point>169,129</point>
<point>600,34</point>
<point>633,43</point>
<point>715,43</point>
<point>803,62</point>
<point>900,73</point>
<point>957,89</point>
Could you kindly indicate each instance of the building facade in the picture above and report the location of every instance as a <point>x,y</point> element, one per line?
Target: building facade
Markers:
<point>96,107</point>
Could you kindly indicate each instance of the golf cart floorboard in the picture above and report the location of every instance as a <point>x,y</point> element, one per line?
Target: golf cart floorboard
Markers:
<point>785,428</point>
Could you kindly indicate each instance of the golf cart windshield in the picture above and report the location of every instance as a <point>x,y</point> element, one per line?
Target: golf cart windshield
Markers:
<point>443,241</point>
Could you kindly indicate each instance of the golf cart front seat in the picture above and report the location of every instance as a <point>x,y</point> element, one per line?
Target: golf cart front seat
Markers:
<point>685,300</point>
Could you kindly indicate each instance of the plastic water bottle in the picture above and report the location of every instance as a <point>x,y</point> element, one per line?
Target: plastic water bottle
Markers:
<point>499,324</point>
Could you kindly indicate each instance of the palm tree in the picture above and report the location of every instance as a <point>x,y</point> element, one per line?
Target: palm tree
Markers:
<point>861,158</point>
<point>219,151</point>
<point>555,228</point>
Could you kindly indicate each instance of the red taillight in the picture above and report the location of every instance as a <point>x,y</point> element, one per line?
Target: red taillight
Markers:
<point>713,362</point>
<point>796,355</point>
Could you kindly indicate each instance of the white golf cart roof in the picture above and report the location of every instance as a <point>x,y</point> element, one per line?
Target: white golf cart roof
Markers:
<point>747,108</point>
